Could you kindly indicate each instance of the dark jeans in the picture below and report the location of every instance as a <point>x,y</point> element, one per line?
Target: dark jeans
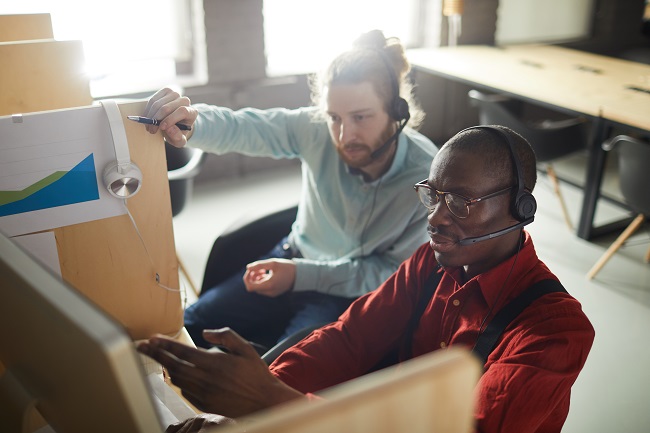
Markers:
<point>258,318</point>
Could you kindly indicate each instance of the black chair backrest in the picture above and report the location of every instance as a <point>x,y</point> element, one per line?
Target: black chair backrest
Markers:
<point>288,342</point>
<point>245,242</point>
<point>183,165</point>
<point>634,173</point>
<point>550,138</point>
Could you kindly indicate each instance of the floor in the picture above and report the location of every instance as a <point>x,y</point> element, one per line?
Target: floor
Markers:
<point>612,393</point>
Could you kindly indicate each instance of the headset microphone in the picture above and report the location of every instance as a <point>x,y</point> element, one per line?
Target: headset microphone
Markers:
<point>384,147</point>
<point>470,241</point>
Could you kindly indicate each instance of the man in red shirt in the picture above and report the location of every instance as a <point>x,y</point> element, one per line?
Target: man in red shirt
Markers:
<point>479,197</point>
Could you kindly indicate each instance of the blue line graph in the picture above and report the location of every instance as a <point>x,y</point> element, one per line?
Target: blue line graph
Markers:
<point>77,185</point>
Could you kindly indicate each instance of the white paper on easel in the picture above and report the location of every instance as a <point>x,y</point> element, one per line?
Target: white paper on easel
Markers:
<point>43,247</point>
<point>51,166</point>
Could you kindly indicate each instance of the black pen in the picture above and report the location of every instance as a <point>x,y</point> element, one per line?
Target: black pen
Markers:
<point>149,121</point>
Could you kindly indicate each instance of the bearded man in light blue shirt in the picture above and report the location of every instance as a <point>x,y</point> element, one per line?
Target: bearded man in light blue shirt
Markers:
<point>357,219</point>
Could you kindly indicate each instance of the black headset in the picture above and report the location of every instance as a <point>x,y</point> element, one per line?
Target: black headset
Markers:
<point>523,205</point>
<point>398,108</point>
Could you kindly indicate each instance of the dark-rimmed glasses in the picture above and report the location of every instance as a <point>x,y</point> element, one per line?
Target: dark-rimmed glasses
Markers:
<point>457,204</point>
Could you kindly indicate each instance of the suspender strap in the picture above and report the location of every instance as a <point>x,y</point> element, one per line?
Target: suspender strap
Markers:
<point>487,340</point>
<point>429,289</point>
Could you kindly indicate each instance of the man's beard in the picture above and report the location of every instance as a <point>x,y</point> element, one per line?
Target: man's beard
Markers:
<point>360,163</point>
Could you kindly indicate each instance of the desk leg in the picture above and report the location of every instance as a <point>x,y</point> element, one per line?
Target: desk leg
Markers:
<point>595,170</point>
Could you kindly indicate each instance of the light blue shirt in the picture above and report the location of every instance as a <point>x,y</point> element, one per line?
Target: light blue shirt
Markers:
<point>352,234</point>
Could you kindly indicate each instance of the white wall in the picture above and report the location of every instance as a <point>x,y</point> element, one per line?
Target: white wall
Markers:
<point>521,21</point>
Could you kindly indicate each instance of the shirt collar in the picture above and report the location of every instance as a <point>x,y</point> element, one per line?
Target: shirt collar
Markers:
<point>491,283</point>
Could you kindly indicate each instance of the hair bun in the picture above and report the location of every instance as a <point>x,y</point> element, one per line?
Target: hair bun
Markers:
<point>373,39</point>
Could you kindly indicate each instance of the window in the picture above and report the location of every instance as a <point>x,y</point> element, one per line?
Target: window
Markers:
<point>130,46</point>
<point>303,36</point>
<point>526,21</point>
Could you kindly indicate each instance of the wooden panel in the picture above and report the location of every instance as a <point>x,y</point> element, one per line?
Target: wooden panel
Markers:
<point>25,27</point>
<point>107,261</point>
<point>431,393</point>
<point>104,259</point>
<point>42,75</point>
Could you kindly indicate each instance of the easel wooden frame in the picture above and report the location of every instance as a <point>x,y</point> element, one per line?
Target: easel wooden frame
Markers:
<point>25,27</point>
<point>103,259</point>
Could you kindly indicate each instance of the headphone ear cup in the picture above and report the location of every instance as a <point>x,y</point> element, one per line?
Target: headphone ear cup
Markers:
<point>122,181</point>
<point>525,206</point>
<point>400,109</point>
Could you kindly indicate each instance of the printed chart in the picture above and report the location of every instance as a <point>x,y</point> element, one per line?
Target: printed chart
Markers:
<point>60,188</point>
<point>50,170</point>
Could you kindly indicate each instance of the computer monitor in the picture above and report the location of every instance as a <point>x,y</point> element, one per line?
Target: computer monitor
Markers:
<point>65,357</point>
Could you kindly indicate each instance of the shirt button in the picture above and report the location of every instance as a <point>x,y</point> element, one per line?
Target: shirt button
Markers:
<point>443,344</point>
<point>456,302</point>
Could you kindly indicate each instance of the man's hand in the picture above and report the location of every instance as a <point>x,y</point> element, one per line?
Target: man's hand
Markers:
<point>271,277</point>
<point>171,108</point>
<point>232,384</point>
<point>202,423</point>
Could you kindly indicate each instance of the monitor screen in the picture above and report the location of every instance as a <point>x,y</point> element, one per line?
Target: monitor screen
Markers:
<point>65,357</point>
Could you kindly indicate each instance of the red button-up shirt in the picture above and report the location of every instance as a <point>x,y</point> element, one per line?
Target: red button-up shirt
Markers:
<point>526,385</point>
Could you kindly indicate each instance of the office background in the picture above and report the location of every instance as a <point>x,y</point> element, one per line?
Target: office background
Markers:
<point>240,53</point>
<point>230,64</point>
<point>237,76</point>
<point>614,388</point>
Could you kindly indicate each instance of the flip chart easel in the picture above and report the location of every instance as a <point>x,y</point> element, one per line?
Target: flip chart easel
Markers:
<point>38,73</point>
<point>107,261</point>
<point>103,259</point>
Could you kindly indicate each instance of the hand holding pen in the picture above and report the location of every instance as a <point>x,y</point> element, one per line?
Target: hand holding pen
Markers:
<point>149,121</point>
<point>173,110</point>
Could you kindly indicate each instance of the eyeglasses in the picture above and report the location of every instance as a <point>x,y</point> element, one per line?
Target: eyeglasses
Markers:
<point>457,204</point>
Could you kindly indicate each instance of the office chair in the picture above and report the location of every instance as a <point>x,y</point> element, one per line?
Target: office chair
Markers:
<point>183,165</point>
<point>245,241</point>
<point>270,355</point>
<point>242,243</point>
<point>633,163</point>
<point>550,139</point>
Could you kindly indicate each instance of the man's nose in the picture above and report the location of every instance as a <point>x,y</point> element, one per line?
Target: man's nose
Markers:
<point>347,132</point>
<point>440,213</point>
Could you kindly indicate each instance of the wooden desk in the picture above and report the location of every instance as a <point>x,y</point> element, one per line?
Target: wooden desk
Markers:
<point>610,92</point>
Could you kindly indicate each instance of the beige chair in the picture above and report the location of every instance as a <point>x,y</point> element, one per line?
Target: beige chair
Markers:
<point>634,174</point>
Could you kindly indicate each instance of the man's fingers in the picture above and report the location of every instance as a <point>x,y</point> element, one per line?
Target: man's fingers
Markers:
<point>230,340</point>
<point>159,353</point>
<point>160,105</point>
<point>154,98</point>
<point>178,112</point>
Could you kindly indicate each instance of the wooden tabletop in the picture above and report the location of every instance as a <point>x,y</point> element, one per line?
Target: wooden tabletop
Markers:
<point>586,83</point>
